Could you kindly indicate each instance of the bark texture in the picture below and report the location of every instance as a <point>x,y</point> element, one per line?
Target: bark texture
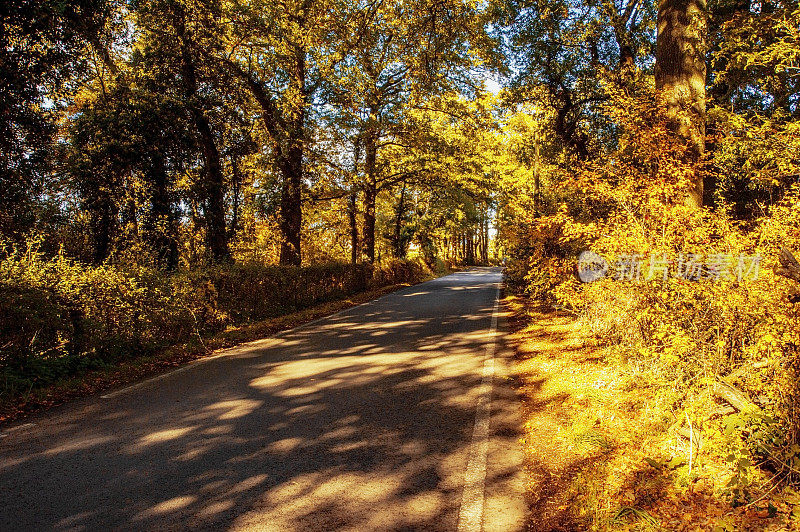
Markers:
<point>681,75</point>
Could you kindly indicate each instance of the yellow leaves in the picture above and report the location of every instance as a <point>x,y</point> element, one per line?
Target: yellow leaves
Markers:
<point>684,335</point>
<point>769,339</point>
<point>670,356</point>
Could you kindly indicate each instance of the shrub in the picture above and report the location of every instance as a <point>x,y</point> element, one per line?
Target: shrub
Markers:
<point>58,316</point>
<point>689,335</point>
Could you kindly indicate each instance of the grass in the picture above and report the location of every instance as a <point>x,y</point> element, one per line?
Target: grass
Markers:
<point>138,368</point>
<point>601,442</point>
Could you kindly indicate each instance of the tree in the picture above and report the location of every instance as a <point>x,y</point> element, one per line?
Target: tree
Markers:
<point>280,53</point>
<point>454,152</point>
<point>680,75</point>
<point>44,49</point>
<point>172,33</point>
<point>408,52</point>
<point>570,48</point>
<point>125,150</point>
<point>754,109</point>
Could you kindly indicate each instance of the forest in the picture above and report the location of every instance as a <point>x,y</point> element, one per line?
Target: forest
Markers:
<point>174,170</point>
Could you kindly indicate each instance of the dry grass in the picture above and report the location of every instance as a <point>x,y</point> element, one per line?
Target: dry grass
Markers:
<point>602,445</point>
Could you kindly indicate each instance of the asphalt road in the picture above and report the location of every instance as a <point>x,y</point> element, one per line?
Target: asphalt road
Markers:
<point>365,420</point>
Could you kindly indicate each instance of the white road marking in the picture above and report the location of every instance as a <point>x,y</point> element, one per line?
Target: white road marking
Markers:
<point>470,517</point>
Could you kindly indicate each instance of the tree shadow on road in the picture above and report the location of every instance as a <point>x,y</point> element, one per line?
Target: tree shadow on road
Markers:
<point>360,422</point>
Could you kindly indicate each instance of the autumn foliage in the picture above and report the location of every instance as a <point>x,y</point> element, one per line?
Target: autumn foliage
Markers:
<point>733,328</point>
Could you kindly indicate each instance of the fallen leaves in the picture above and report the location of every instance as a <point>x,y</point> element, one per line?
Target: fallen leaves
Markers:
<point>600,451</point>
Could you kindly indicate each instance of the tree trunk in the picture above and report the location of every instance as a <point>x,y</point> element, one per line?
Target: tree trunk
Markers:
<point>537,182</point>
<point>486,237</point>
<point>214,183</point>
<point>681,75</point>
<point>370,193</point>
<point>479,240</point>
<point>399,245</point>
<point>214,209</point>
<point>291,215</point>
<point>103,216</point>
<point>161,224</point>
<point>291,164</point>
<point>352,205</point>
<point>368,231</point>
<point>236,187</point>
<point>566,125</point>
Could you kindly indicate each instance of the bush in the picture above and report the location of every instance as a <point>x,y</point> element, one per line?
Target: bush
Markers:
<point>689,335</point>
<point>58,317</point>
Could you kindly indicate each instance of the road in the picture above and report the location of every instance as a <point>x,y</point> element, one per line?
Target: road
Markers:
<point>365,420</point>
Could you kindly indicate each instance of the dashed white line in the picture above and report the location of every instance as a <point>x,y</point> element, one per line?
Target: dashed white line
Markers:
<point>470,516</point>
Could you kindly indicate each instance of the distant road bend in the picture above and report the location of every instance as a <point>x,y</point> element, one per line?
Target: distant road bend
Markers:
<point>382,417</point>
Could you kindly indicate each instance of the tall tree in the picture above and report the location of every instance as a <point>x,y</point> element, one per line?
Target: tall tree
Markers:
<point>407,52</point>
<point>213,185</point>
<point>280,53</point>
<point>171,34</point>
<point>680,74</point>
<point>43,51</point>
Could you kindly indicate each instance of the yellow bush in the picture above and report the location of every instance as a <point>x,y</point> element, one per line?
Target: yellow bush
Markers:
<point>690,334</point>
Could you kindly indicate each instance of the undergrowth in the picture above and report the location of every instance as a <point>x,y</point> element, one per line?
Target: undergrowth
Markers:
<point>608,447</point>
<point>689,317</point>
<point>59,317</point>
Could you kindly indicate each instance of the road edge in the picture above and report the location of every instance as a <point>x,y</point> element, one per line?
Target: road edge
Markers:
<point>471,512</point>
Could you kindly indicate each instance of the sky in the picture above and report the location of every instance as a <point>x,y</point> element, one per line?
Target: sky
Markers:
<point>492,86</point>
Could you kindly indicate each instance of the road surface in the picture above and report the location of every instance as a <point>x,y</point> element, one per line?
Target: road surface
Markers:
<point>365,420</point>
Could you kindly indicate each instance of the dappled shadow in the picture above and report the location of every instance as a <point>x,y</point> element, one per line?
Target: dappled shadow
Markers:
<point>552,509</point>
<point>359,421</point>
<point>549,469</point>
